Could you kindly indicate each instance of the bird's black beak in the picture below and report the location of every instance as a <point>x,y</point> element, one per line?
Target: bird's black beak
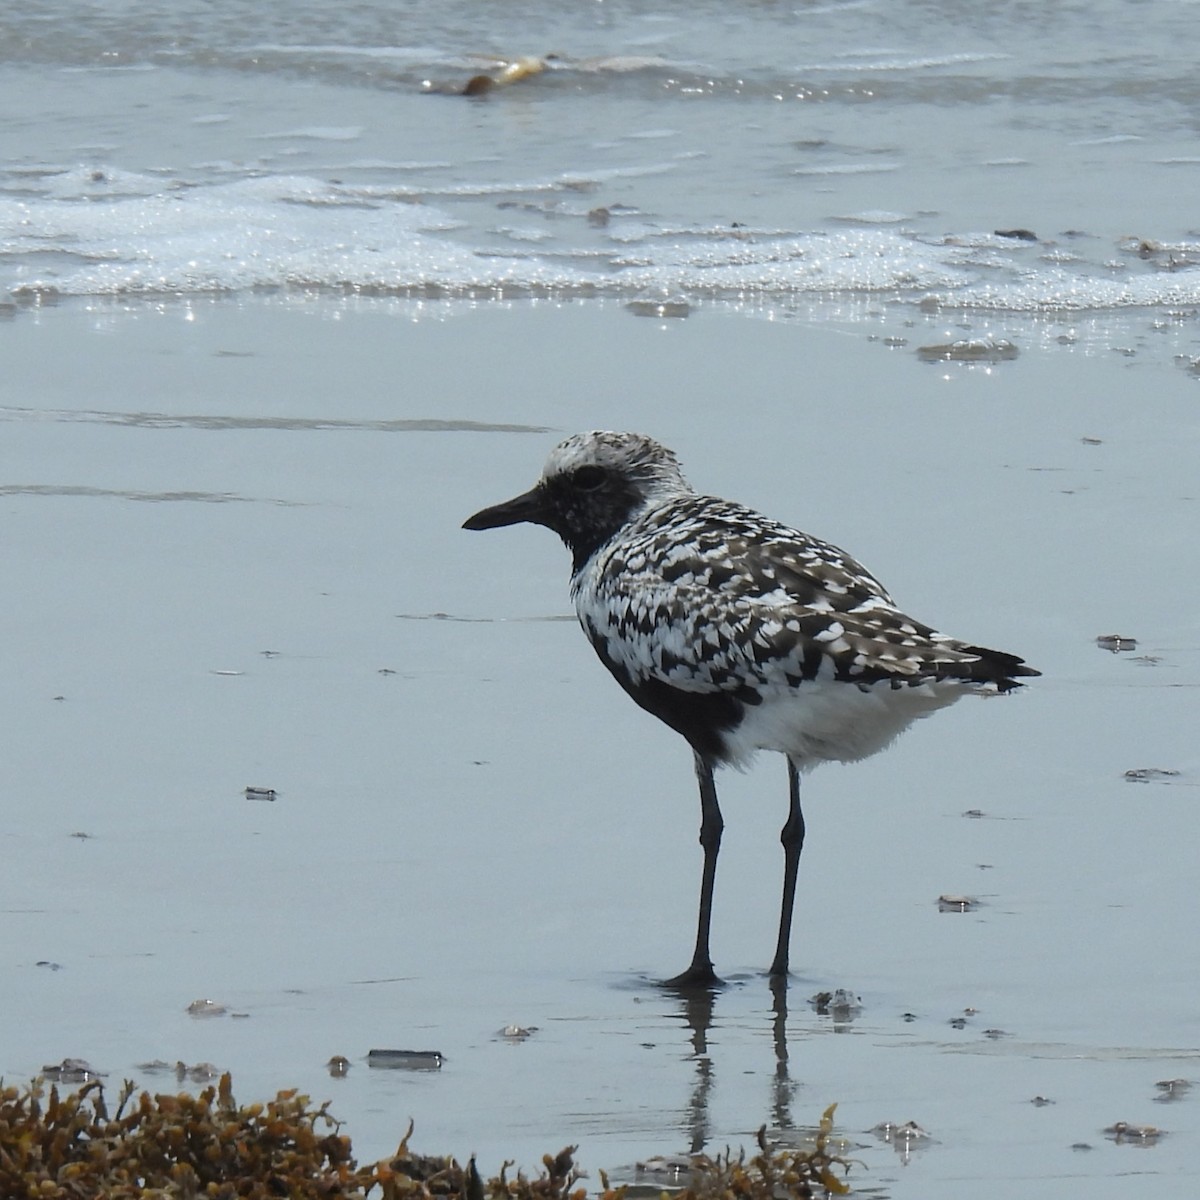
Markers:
<point>531,507</point>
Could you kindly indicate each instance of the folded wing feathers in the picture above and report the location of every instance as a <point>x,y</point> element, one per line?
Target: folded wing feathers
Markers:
<point>741,601</point>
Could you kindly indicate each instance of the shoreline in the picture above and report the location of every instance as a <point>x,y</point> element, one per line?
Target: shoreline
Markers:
<point>215,518</point>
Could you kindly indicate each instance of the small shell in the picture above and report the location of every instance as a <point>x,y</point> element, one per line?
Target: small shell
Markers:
<point>1127,1131</point>
<point>206,1008</point>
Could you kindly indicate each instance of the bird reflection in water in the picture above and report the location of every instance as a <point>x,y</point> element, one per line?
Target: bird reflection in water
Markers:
<point>697,1009</point>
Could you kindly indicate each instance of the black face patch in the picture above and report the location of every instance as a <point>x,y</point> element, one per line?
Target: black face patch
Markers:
<point>586,506</point>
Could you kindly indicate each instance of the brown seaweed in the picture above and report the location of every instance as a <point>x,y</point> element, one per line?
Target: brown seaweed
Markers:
<point>66,1147</point>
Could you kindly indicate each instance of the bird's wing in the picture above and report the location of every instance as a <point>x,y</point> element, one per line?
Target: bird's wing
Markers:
<point>736,606</point>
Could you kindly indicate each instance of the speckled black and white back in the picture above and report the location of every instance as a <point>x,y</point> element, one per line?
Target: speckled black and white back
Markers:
<point>738,631</point>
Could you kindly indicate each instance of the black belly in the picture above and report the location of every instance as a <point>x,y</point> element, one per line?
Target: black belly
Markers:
<point>703,718</point>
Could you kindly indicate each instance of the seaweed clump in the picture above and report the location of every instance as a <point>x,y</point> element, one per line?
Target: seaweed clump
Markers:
<point>66,1147</point>
<point>798,1174</point>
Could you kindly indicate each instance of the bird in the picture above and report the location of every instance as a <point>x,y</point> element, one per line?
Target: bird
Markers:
<point>739,633</point>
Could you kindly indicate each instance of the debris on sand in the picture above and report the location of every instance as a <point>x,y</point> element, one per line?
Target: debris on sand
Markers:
<point>70,1070</point>
<point>206,1008</point>
<point>513,72</point>
<point>841,1004</point>
<point>406,1060</point>
<point>517,1033</point>
<point>505,73</point>
<point>1116,643</point>
<point>1150,775</point>
<point>970,350</point>
<point>1137,1135</point>
<point>659,309</point>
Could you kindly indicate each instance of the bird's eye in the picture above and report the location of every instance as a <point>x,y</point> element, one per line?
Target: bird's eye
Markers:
<point>588,479</point>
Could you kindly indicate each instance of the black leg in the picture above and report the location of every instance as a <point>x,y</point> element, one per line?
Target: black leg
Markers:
<point>792,838</point>
<point>700,973</point>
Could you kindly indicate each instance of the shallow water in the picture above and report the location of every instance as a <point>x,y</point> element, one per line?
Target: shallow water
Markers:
<point>238,435</point>
<point>493,834</point>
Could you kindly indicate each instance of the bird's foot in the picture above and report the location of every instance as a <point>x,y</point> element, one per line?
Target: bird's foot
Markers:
<point>698,975</point>
<point>779,964</point>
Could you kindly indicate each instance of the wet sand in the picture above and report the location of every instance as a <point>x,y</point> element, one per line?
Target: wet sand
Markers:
<point>472,826</point>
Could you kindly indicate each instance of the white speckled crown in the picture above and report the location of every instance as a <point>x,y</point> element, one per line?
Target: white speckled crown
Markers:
<point>645,463</point>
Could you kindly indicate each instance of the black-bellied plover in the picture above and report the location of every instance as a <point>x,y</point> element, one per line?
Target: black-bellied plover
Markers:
<point>738,632</point>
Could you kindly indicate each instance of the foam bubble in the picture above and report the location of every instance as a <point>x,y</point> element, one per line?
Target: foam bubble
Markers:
<point>93,231</point>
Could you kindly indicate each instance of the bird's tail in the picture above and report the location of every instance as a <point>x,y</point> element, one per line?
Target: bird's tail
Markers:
<point>1002,670</point>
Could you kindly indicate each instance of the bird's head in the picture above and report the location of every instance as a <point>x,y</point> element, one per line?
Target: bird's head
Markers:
<point>592,485</point>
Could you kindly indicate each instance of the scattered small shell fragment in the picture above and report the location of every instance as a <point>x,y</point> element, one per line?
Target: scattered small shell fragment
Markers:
<point>406,1060</point>
<point>900,1134</point>
<point>665,309</point>
<point>260,793</point>
<point>202,1072</point>
<point>1172,1089</point>
<point>1127,1131</point>
<point>1115,642</point>
<point>1142,247</point>
<point>199,1073</point>
<point>969,350</point>
<point>1041,1101</point>
<point>975,813</point>
<point>671,1165</point>
<point>70,1070</point>
<point>517,1033</point>
<point>1149,774</point>
<point>50,966</point>
<point>206,1008</point>
<point>339,1066</point>
<point>518,69</point>
<point>960,904</point>
<point>841,1004</point>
